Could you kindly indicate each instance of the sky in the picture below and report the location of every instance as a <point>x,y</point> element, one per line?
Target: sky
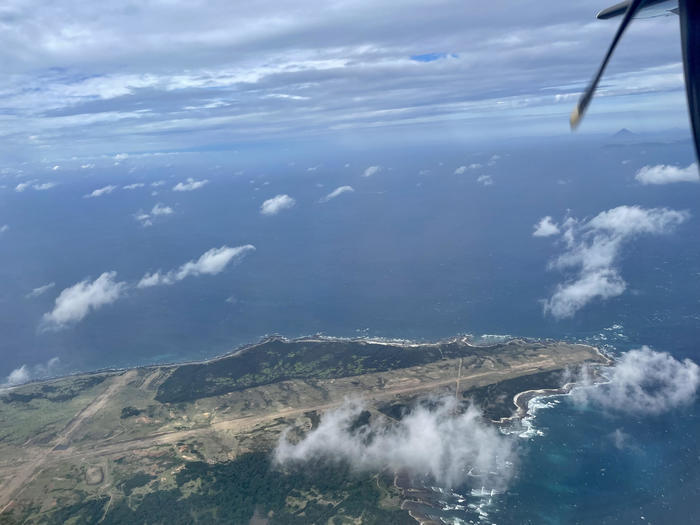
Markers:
<point>86,80</point>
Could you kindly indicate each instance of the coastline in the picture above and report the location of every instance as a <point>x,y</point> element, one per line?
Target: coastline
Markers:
<point>510,366</point>
<point>414,497</point>
<point>464,339</point>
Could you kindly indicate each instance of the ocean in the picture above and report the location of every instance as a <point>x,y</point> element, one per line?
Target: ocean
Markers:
<point>416,251</point>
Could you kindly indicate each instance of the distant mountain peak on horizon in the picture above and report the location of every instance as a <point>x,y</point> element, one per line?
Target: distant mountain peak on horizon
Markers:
<point>624,132</point>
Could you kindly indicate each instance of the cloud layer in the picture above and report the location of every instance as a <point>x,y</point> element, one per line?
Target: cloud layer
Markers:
<point>643,382</point>
<point>433,440</point>
<point>592,251</point>
<point>173,75</point>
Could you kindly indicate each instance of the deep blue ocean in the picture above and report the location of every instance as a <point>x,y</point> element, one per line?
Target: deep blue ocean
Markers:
<point>415,252</point>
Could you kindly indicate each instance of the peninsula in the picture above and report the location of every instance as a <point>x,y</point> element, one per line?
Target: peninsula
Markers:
<point>190,443</point>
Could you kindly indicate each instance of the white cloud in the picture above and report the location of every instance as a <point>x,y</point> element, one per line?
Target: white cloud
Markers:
<point>545,228</point>
<point>662,174</point>
<point>475,166</point>
<point>433,439</point>
<point>40,290</point>
<point>211,262</point>
<point>189,185</point>
<point>144,219</point>
<point>134,186</point>
<point>44,186</point>
<point>18,376</point>
<point>485,180</point>
<point>24,185</point>
<point>157,183</point>
<point>461,170</point>
<point>101,191</point>
<point>569,298</point>
<point>157,211</point>
<point>24,373</point>
<point>75,302</point>
<point>121,156</point>
<point>643,381</point>
<point>4,228</point>
<point>34,185</point>
<point>592,251</point>
<point>276,204</point>
<point>161,209</point>
<point>285,96</point>
<point>372,170</point>
<point>336,192</point>
<point>152,279</point>
<point>86,166</point>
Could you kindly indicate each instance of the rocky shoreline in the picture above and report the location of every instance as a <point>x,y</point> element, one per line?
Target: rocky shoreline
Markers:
<point>416,499</point>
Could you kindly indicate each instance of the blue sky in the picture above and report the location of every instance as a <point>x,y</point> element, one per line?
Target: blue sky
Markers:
<point>85,80</point>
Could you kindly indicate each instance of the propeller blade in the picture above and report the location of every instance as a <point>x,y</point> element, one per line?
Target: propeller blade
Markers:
<point>580,109</point>
<point>689,14</point>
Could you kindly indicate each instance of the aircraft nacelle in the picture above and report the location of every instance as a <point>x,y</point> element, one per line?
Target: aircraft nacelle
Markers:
<point>649,9</point>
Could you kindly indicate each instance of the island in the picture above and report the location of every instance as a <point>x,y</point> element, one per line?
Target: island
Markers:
<point>191,443</point>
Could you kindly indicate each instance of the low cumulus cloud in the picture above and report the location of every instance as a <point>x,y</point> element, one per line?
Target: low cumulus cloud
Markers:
<point>485,180</point>
<point>433,439</point>
<point>461,170</point>
<point>545,228</point>
<point>101,191</point>
<point>45,186</point>
<point>26,373</point>
<point>276,204</point>
<point>641,382</point>
<point>664,174</point>
<point>337,192</point>
<point>189,185</point>
<point>23,186</point>
<point>133,186</point>
<point>35,185</point>
<point>40,290</point>
<point>372,170</point>
<point>4,228</point>
<point>159,210</point>
<point>76,301</point>
<point>211,262</point>
<point>592,251</point>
